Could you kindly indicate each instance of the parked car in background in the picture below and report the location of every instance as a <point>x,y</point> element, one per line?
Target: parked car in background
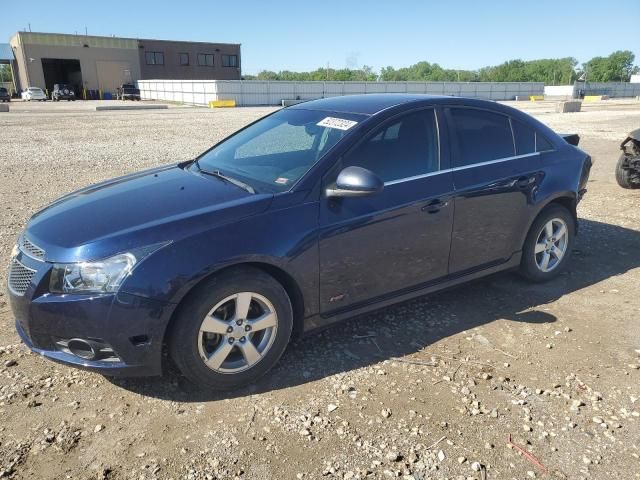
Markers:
<point>34,93</point>
<point>4,95</point>
<point>313,214</point>
<point>128,91</point>
<point>63,91</point>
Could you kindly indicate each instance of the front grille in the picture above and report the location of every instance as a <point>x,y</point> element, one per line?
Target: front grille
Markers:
<point>30,249</point>
<point>19,277</point>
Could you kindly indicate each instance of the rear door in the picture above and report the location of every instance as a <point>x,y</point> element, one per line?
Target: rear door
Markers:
<point>493,183</point>
<point>373,247</point>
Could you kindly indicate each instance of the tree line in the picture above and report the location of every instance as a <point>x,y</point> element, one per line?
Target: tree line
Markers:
<point>617,67</point>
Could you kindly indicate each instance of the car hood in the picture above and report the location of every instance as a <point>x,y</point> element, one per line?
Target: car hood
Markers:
<point>151,207</point>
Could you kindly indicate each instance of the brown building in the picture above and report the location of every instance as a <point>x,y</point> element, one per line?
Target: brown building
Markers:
<point>167,60</point>
<point>103,63</point>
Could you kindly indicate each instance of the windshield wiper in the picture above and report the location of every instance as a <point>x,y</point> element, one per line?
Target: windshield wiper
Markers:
<point>221,176</point>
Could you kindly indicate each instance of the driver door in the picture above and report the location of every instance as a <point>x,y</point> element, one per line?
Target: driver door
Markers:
<point>396,240</point>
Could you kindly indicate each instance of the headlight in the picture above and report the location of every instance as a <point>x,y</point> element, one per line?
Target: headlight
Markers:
<point>92,277</point>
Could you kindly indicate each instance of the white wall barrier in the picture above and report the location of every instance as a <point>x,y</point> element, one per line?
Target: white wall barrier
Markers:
<point>258,92</point>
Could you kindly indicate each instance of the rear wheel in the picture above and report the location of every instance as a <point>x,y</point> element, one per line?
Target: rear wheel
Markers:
<point>232,330</point>
<point>548,245</point>
<point>623,175</point>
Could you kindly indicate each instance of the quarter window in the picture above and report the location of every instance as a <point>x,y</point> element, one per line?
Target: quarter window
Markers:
<point>480,136</point>
<point>542,144</point>
<point>229,60</point>
<point>184,59</point>
<point>404,148</point>
<point>524,136</point>
<point>154,58</point>
<point>205,59</point>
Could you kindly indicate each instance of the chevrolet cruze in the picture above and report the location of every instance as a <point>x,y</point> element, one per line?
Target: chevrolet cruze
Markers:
<point>310,215</point>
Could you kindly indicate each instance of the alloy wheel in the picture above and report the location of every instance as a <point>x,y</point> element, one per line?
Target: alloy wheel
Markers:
<point>237,332</point>
<point>551,244</point>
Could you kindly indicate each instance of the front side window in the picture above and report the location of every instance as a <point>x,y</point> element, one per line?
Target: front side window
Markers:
<point>205,59</point>
<point>479,136</point>
<point>184,59</point>
<point>274,153</point>
<point>404,148</point>
<point>154,58</point>
<point>229,60</point>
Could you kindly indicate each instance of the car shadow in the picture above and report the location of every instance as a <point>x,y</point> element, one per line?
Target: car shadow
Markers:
<point>601,251</point>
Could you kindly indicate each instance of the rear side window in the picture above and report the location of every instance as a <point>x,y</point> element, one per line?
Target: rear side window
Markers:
<point>542,144</point>
<point>480,136</point>
<point>524,136</point>
<point>528,140</point>
<point>407,147</point>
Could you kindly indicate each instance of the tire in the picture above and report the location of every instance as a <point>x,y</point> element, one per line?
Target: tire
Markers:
<point>216,300</point>
<point>623,176</point>
<point>532,265</point>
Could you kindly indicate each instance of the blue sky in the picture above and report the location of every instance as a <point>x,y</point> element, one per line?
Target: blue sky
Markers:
<point>303,34</point>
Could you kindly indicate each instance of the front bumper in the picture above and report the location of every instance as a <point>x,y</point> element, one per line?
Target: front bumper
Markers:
<point>131,325</point>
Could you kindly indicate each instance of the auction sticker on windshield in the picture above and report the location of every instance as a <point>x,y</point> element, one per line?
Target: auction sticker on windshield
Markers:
<point>339,123</point>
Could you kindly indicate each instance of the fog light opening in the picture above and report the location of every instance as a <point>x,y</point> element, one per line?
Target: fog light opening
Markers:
<point>81,348</point>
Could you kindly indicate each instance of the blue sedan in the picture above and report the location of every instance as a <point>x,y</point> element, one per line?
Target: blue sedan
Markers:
<point>315,213</point>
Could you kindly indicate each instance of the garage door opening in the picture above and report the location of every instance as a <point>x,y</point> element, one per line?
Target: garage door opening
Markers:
<point>62,70</point>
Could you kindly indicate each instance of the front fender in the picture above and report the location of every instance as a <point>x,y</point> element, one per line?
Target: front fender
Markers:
<point>285,239</point>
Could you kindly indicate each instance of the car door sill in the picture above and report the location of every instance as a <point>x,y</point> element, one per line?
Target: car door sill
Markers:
<point>323,320</point>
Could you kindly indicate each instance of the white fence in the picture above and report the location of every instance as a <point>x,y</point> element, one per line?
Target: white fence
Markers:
<point>559,91</point>
<point>257,92</point>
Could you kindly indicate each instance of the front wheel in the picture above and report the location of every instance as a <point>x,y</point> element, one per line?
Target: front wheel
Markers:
<point>232,329</point>
<point>548,245</point>
<point>623,175</point>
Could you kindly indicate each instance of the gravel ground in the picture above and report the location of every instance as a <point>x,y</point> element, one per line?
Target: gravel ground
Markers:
<point>432,388</point>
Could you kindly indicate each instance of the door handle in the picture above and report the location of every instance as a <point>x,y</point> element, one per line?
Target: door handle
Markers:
<point>434,206</point>
<point>524,182</point>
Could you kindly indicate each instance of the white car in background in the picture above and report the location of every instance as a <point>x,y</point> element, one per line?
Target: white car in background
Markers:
<point>33,93</point>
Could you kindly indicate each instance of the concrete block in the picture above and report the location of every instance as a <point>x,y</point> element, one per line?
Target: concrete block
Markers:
<point>221,103</point>
<point>4,107</point>
<point>568,106</point>
<point>595,98</point>
<point>100,108</point>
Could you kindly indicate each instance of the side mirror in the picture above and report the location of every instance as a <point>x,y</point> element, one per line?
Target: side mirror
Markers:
<point>356,182</point>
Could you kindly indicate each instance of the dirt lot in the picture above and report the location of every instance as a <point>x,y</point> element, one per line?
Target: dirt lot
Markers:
<point>432,388</point>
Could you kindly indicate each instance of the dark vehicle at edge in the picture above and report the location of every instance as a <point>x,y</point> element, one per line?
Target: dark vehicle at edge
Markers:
<point>128,91</point>
<point>4,95</point>
<point>628,166</point>
<point>310,215</point>
<point>63,91</point>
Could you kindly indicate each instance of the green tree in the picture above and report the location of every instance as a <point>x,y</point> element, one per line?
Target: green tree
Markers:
<point>617,67</point>
<point>5,73</point>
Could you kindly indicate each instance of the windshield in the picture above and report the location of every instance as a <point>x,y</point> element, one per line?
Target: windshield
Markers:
<point>35,90</point>
<point>274,153</point>
<point>3,90</point>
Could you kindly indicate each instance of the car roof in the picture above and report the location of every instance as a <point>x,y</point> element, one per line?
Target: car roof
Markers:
<point>370,104</point>
<point>367,104</point>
